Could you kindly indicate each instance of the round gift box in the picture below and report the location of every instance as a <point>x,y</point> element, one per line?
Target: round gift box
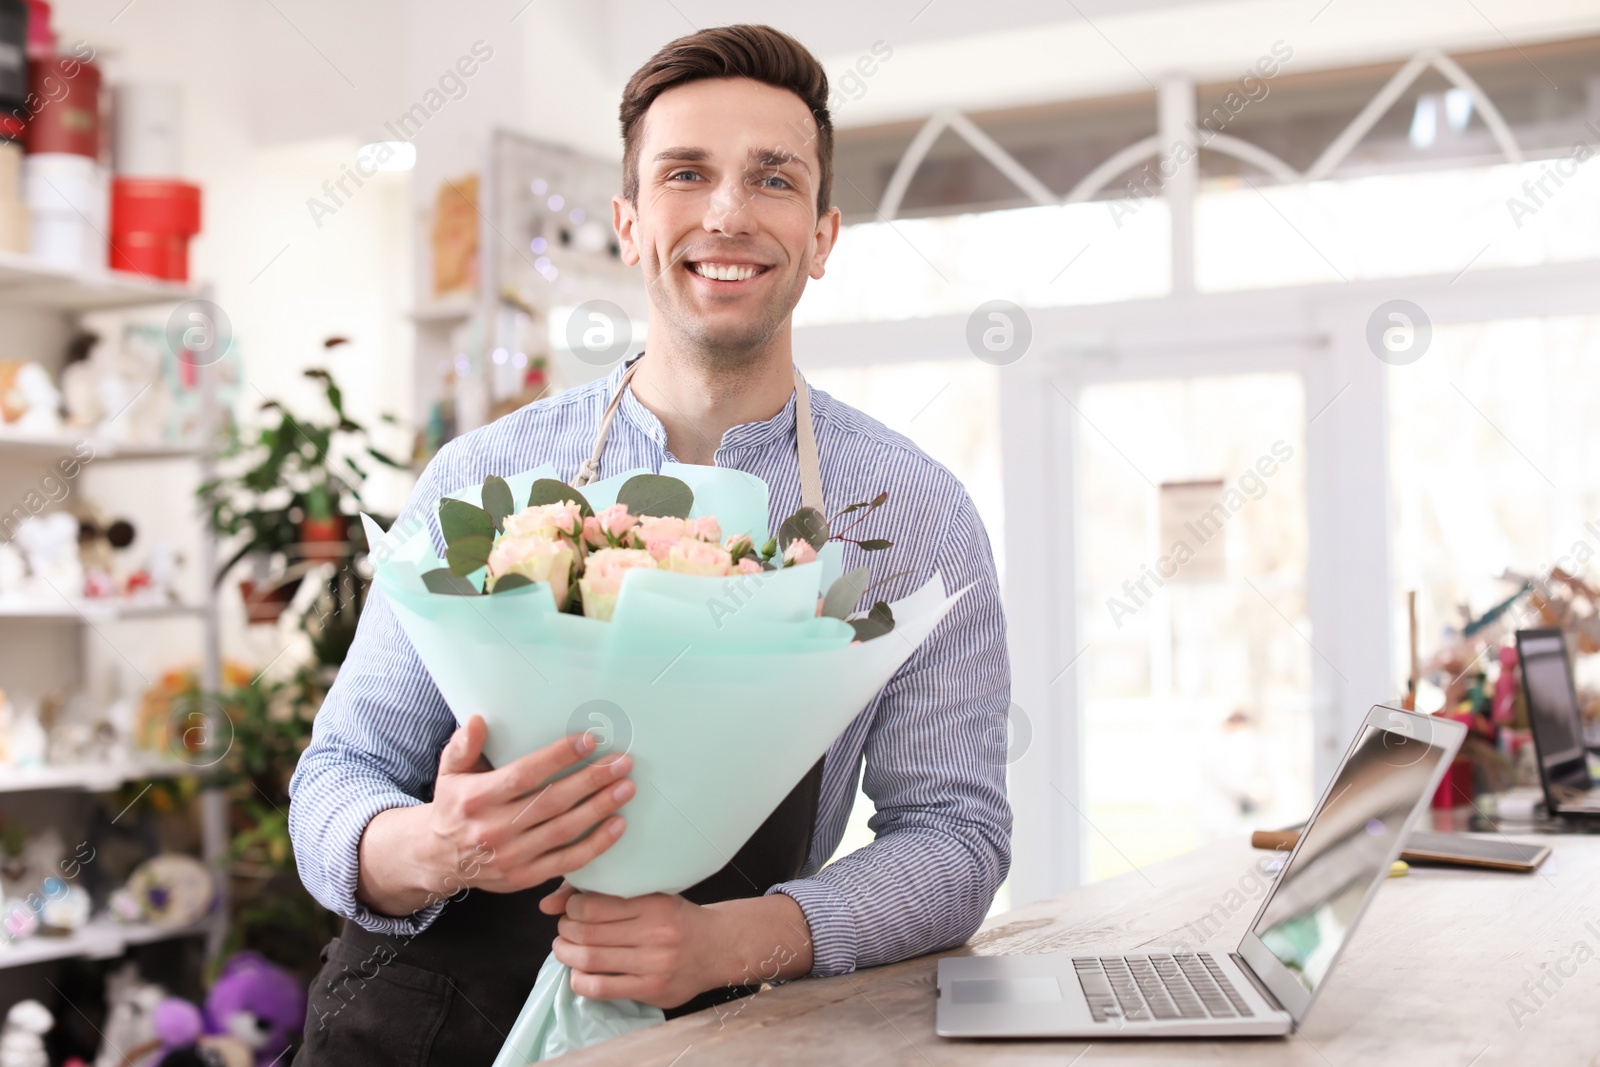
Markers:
<point>154,205</point>
<point>154,255</point>
<point>69,120</point>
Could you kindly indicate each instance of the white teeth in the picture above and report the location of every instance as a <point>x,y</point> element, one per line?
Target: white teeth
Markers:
<point>725,273</point>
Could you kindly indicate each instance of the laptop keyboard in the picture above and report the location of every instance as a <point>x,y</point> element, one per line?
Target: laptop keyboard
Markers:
<point>1185,985</point>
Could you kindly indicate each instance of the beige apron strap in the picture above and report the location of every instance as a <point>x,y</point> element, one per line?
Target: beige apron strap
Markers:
<point>805,439</point>
<point>805,435</point>
<point>591,466</point>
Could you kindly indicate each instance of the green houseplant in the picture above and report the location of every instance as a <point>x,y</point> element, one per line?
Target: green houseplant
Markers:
<point>292,503</point>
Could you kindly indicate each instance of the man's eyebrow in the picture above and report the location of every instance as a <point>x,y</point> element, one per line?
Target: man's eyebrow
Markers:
<point>683,155</point>
<point>776,157</point>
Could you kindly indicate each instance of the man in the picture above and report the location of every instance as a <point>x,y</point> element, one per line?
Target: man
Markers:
<point>726,208</point>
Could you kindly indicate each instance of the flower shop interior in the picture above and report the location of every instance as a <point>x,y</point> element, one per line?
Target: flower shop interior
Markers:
<point>1268,325</point>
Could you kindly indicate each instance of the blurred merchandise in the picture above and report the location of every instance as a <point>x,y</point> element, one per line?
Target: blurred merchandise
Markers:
<point>49,544</point>
<point>69,206</point>
<point>168,890</point>
<point>13,65</point>
<point>259,1003</point>
<point>146,130</point>
<point>455,236</point>
<point>131,1003</point>
<point>152,220</point>
<point>30,403</point>
<point>14,227</point>
<point>67,88</point>
<point>22,1039</point>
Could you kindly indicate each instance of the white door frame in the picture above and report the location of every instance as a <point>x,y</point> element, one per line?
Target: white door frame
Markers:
<point>1318,331</point>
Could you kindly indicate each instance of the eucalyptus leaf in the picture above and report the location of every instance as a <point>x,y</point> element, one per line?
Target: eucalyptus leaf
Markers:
<point>443,580</point>
<point>459,519</point>
<point>879,621</point>
<point>467,554</point>
<point>497,501</point>
<point>550,491</point>
<point>510,581</point>
<point>876,502</point>
<point>874,545</point>
<point>843,594</point>
<point>807,524</point>
<point>657,495</point>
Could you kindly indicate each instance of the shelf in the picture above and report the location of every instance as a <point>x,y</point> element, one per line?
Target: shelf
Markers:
<point>25,282</point>
<point>104,448</point>
<point>89,777</point>
<point>107,610</point>
<point>101,939</point>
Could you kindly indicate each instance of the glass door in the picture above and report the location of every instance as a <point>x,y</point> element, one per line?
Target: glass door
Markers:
<point>1195,675</point>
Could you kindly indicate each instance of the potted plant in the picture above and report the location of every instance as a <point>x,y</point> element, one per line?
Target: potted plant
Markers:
<point>292,507</point>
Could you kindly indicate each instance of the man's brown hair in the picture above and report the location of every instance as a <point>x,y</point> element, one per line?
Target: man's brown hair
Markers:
<point>759,53</point>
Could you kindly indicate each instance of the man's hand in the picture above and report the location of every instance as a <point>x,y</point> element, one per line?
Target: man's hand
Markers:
<point>663,950</point>
<point>500,830</point>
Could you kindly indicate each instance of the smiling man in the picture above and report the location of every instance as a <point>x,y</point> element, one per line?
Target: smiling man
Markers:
<point>449,871</point>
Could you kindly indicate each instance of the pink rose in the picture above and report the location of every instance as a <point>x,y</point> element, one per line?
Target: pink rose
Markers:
<point>613,521</point>
<point>658,534</point>
<point>546,520</point>
<point>748,566</point>
<point>799,551</point>
<point>739,542</point>
<point>705,528</point>
<point>602,578</point>
<point>693,556</point>
<point>536,558</point>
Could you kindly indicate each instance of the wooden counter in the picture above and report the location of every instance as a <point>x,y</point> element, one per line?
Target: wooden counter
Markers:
<point>1429,978</point>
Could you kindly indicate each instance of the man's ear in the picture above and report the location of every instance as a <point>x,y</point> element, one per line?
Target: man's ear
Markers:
<point>624,217</point>
<point>827,235</point>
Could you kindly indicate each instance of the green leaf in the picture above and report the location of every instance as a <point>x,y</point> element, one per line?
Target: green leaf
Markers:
<point>845,592</point>
<point>386,459</point>
<point>879,621</point>
<point>510,581</point>
<point>497,501</point>
<point>467,554</point>
<point>444,580</point>
<point>550,491</point>
<point>769,549</point>
<point>459,519</point>
<point>657,495</point>
<point>807,524</point>
<point>874,545</point>
<point>876,502</point>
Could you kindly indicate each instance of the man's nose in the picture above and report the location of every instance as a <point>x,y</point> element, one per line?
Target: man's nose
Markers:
<point>729,210</point>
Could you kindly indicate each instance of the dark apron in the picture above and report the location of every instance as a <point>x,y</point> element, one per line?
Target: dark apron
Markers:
<point>449,995</point>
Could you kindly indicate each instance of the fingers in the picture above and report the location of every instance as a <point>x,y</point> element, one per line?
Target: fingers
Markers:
<point>461,755</point>
<point>563,861</point>
<point>556,903</point>
<point>560,830</point>
<point>528,773</point>
<point>631,960</point>
<point>561,795</point>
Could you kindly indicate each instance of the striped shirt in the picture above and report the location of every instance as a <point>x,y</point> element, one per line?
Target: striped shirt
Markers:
<point>932,741</point>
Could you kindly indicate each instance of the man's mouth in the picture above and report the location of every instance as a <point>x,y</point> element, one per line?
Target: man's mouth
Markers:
<point>727,272</point>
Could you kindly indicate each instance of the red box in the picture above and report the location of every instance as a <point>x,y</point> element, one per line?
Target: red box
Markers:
<point>153,255</point>
<point>154,205</point>
<point>68,120</point>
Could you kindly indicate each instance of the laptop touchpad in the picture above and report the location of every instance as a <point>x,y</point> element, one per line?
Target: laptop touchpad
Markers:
<point>1004,990</point>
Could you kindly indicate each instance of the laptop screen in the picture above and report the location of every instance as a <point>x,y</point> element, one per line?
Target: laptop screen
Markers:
<point>1345,848</point>
<point>1552,708</point>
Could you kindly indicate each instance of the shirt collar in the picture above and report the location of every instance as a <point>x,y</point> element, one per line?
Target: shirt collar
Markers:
<point>745,435</point>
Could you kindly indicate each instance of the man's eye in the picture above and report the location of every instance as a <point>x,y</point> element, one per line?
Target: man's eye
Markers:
<point>781,182</point>
<point>683,175</point>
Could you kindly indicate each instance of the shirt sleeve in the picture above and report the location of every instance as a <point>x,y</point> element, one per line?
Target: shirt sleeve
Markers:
<point>935,770</point>
<point>375,745</point>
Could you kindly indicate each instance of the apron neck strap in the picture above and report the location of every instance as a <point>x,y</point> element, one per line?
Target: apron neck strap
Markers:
<point>805,434</point>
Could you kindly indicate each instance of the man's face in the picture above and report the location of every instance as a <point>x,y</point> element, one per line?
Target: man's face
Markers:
<point>726,224</point>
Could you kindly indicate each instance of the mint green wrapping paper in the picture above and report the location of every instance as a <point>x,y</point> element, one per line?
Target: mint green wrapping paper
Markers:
<point>724,691</point>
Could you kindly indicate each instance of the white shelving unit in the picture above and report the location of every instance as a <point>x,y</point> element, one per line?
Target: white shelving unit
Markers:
<point>38,304</point>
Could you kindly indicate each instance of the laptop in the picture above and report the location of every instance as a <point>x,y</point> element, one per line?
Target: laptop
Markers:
<point>1557,724</point>
<point>1268,983</point>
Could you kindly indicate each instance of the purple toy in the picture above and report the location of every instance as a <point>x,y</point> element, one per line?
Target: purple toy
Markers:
<point>177,1023</point>
<point>258,1002</point>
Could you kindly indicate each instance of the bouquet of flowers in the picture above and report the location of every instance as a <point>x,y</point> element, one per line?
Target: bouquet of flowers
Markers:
<point>656,612</point>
